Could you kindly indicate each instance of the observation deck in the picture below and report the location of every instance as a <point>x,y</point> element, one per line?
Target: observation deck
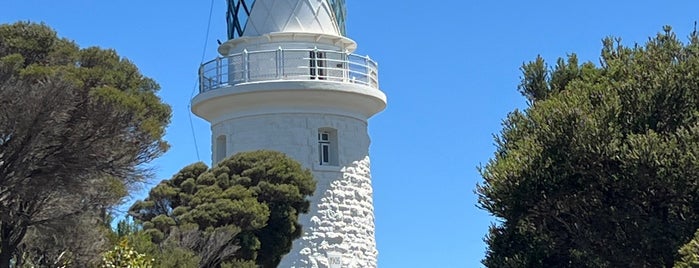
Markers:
<point>296,80</point>
<point>290,65</point>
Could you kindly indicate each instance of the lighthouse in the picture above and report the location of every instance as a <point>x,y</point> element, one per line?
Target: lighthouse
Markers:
<point>287,79</point>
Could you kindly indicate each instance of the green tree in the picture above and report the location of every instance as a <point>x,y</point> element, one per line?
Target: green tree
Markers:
<point>689,254</point>
<point>602,168</point>
<point>243,210</point>
<point>76,125</point>
<point>165,255</point>
<point>123,255</point>
<point>75,240</point>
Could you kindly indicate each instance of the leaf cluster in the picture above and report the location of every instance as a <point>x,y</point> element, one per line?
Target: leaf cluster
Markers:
<point>165,255</point>
<point>689,254</point>
<point>245,208</point>
<point>76,128</point>
<point>602,168</point>
<point>123,255</point>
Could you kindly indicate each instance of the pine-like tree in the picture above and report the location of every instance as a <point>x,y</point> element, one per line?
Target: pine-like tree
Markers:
<point>244,210</point>
<point>602,168</point>
<point>76,125</point>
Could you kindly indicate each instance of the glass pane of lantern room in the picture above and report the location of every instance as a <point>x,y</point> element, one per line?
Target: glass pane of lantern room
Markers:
<point>340,11</point>
<point>239,11</point>
<point>237,16</point>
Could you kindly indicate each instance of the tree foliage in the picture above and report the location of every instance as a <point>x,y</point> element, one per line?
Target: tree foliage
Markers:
<point>123,255</point>
<point>165,255</point>
<point>689,254</point>
<point>244,210</point>
<point>602,168</point>
<point>76,127</point>
<point>72,241</point>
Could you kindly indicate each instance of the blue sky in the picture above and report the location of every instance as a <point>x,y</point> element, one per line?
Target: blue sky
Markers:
<point>450,70</point>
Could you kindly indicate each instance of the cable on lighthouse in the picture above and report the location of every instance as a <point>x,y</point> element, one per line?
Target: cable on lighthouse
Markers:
<point>196,82</point>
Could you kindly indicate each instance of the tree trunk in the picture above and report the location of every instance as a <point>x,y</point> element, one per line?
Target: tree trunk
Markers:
<point>5,255</point>
<point>9,240</point>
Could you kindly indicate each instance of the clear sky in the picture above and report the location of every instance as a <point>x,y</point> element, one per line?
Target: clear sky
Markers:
<point>450,70</point>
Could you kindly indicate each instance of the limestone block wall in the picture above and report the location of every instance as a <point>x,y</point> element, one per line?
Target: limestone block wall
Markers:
<point>341,219</point>
<point>342,223</point>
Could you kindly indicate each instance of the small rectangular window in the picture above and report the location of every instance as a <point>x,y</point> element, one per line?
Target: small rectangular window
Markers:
<point>324,150</point>
<point>325,157</point>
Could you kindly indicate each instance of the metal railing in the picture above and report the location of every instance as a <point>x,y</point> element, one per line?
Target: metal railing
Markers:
<point>288,64</point>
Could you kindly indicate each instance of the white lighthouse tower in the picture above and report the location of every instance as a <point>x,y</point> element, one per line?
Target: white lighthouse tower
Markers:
<point>287,81</point>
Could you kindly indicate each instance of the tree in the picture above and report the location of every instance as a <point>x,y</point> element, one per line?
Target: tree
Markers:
<point>76,127</point>
<point>602,168</point>
<point>123,255</point>
<point>689,254</point>
<point>244,210</point>
<point>72,241</point>
<point>161,256</point>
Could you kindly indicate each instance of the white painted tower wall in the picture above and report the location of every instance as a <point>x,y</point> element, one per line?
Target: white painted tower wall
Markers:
<point>285,111</point>
<point>341,217</point>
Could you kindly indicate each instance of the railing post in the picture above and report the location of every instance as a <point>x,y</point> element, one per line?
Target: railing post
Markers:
<point>280,63</point>
<point>246,68</point>
<point>346,66</point>
<point>314,64</point>
<point>369,74</point>
<point>367,61</point>
<point>201,79</point>
<point>376,72</point>
<point>218,71</point>
<point>373,72</point>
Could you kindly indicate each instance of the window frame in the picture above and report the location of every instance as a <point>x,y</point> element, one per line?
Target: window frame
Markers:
<point>327,147</point>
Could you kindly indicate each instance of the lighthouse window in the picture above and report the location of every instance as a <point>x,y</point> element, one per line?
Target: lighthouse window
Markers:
<point>327,147</point>
<point>325,154</point>
<point>324,147</point>
<point>317,65</point>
